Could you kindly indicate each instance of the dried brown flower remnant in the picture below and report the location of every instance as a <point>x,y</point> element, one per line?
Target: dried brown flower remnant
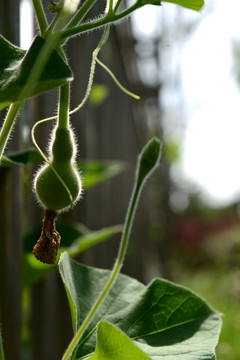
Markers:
<point>47,246</point>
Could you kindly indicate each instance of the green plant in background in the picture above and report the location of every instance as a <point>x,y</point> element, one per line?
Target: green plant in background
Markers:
<point>114,316</point>
<point>219,270</point>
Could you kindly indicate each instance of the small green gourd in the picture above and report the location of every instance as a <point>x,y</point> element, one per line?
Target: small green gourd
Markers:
<point>50,191</point>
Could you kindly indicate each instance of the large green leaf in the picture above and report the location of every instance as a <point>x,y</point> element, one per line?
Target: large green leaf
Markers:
<point>113,344</point>
<point>190,4</point>
<point>165,320</point>
<point>75,238</point>
<point>15,66</point>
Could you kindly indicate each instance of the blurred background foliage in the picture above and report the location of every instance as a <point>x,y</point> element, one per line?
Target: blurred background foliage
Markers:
<point>178,233</point>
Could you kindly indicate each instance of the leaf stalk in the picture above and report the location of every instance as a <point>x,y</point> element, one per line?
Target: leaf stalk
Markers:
<point>63,113</point>
<point>81,13</point>
<point>143,172</point>
<point>8,125</point>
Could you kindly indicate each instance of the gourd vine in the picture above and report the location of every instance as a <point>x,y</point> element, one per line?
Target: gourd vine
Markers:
<point>57,184</point>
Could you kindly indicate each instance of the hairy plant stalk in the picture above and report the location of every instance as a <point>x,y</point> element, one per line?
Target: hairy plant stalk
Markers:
<point>63,114</point>
<point>8,125</point>
<point>107,19</point>
<point>81,13</point>
<point>41,17</point>
<point>116,269</point>
<point>144,169</point>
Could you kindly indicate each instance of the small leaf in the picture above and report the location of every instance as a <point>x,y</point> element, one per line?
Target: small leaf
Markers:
<point>114,344</point>
<point>92,238</point>
<point>190,4</point>
<point>148,159</point>
<point>165,320</point>
<point>21,158</point>
<point>75,239</point>
<point>7,162</point>
<point>15,66</point>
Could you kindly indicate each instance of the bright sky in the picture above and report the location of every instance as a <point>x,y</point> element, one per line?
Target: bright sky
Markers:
<point>26,24</point>
<point>212,99</point>
<point>211,147</point>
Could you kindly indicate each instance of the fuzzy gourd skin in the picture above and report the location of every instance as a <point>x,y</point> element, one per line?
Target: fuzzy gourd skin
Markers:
<point>50,192</point>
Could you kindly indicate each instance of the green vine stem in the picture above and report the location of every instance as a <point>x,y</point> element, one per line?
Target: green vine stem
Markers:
<point>109,8</point>
<point>147,163</point>
<point>41,17</point>
<point>63,112</point>
<point>8,125</point>
<point>84,9</point>
<point>116,6</point>
<point>108,19</point>
<point>50,28</point>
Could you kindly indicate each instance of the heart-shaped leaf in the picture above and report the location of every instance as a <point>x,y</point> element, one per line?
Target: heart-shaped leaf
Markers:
<point>114,344</point>
<point>165,320</point>
<point>15,66</point>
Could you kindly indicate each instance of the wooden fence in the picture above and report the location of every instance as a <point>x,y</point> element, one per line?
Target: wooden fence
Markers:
<point>109,131</point>
<point>10,218</point>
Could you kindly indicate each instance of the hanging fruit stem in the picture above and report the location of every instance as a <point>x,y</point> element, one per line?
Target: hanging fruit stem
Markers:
<point>47,246</point>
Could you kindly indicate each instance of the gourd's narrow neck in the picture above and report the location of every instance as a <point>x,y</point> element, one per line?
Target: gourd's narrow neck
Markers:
<point>63,111</point>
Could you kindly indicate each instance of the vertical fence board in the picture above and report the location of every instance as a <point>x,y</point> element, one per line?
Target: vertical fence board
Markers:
<point>11,218</point>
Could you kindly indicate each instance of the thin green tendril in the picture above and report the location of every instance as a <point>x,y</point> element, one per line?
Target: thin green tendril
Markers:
<point>116,80</point>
